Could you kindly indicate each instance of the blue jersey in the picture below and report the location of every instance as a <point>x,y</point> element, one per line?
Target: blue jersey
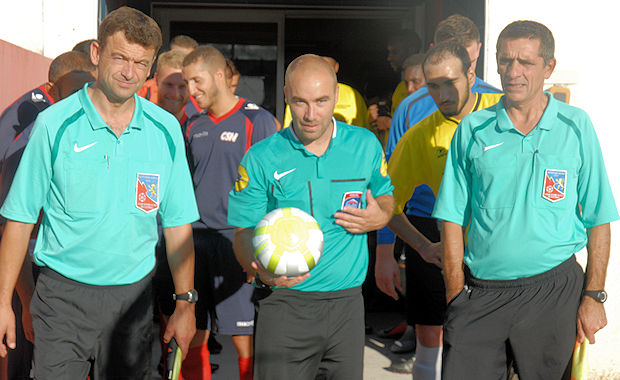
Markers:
<point>215,147</point>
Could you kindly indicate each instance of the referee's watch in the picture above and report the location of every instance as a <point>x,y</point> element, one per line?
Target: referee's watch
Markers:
<point>598,295</point>
<point>191,296</point>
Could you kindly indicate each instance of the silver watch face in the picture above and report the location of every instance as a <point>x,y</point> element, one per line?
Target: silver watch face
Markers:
<point>602,296</point>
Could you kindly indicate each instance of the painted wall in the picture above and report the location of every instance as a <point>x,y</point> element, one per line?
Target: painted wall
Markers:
<point>20,71</point>
<point>586,62</point>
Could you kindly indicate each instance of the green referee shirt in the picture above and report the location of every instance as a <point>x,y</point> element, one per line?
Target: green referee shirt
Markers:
<point>100,193</point>
<point>520,195</point>
<point>280,172</point>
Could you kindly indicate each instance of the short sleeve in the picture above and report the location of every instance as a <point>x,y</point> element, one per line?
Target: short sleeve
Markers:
<point>247,201</point>
<point>595,194</point>
<point>404,170</point>
<point>380,183</point>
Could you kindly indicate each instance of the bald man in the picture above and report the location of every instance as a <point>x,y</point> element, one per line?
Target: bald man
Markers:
<point>350,107</point>
<point>316,319</point>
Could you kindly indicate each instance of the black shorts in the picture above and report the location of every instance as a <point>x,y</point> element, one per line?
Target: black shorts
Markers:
<point>77,326</point>
<point>426,291</point>
<point>302,334</point>
<point>220,281</point>
<point>532,318</point>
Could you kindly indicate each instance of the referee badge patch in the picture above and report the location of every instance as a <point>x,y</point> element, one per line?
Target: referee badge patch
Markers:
<point>352,199</point>
<point>555,185</point>
<point>147,192</point>
<point>242,179</point>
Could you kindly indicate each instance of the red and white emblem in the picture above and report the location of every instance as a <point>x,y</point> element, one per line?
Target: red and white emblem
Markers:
<point>147,192</point>
<point>555,185</point>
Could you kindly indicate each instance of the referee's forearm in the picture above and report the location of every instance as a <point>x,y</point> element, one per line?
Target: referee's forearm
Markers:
<point>243,248</point>
<point>180,252</point>
<point>453,250</point>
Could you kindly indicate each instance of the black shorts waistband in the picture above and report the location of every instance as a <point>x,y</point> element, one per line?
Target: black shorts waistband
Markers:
<point>47,271</point>
<point>520,282</point>
<point>319,296</point>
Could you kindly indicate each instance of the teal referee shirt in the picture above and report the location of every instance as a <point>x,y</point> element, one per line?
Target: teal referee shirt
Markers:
<point>280,172</point>
<point>520,195</point>
<point>100,193</point>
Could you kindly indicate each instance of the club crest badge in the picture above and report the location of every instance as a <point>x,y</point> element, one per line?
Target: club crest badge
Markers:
<point>352,199</point>
<point>147,192</point>
<point>555,185</point>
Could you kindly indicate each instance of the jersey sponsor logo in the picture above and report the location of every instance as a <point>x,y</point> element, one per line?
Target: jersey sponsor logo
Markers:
<point>489,147</point>
<point>251,107</point>
<point>78,149</point>
<point>37,98</point>
<point>229,136</point>
<point>147,192</point>
<point>242,179</point>
<point>201,134</point>
<point>278,176</point>
<point>245,323</point>
<point>384,166</point>
<point>352,199</point>
<point>555,185</point>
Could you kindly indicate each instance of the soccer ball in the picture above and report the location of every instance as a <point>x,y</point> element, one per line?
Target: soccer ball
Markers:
<point>288,242</point>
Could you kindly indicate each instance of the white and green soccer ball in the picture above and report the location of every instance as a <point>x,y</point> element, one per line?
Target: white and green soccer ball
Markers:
<point>288,242</point>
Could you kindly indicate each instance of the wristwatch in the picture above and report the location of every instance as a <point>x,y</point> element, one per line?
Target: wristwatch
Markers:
<point>598,295</point>
<point>191,296</point>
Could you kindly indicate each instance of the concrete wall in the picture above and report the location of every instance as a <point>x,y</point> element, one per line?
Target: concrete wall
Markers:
<point>583,32</point>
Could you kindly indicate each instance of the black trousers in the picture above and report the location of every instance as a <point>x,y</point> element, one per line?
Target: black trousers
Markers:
<point>534,318</point>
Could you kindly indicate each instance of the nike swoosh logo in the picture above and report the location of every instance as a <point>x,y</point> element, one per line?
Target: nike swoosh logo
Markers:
<point>78,149</point>
<point>277,175</point>
<point>491,146</point>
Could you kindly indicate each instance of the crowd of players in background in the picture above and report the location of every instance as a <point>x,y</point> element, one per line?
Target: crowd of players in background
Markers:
<point>202,88</point>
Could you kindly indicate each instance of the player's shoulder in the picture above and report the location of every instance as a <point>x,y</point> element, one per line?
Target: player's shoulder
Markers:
<point>353,132</point>
<point>483,87</point>
<point>253,111</point>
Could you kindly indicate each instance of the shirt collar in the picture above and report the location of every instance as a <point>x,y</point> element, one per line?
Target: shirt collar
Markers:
<point>96,122</point>
<point>546,121</point>
<point>297,144</point>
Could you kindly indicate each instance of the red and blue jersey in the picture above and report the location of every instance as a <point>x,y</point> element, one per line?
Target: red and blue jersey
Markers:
<point>215,147</point>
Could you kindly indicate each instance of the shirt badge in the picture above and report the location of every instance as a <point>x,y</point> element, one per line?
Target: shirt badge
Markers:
<point>352,199</point>
<point>555,185</point>
<point>147,192</point>
<point>242,179</point>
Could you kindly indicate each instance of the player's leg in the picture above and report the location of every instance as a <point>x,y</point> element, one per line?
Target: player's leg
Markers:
<point>427,304</point>
<point>233,296</point>
<point>289,337</point>
<point>66,322</point>
<point>544,333</point>
<point>344,356</point>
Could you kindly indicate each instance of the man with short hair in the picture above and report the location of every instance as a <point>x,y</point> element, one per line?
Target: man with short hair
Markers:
<point>527,178</point>
<point>184,43</point>
<point>172,88</point>
<point>413,76</point>
<point>400,46</point>
<point>419,158</point>
<point>217,139</point>
<point>102,165</point>
<point>313,323</point>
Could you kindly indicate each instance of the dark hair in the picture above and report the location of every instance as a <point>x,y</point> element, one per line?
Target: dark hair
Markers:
<point>442,51</point>
<point>137,27</point>
<point>457,27</point>
<point>67,62</point>
<point>531,30</point>
<point>83,47</point>
<point>184,41</point>
<point>413,60</point>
